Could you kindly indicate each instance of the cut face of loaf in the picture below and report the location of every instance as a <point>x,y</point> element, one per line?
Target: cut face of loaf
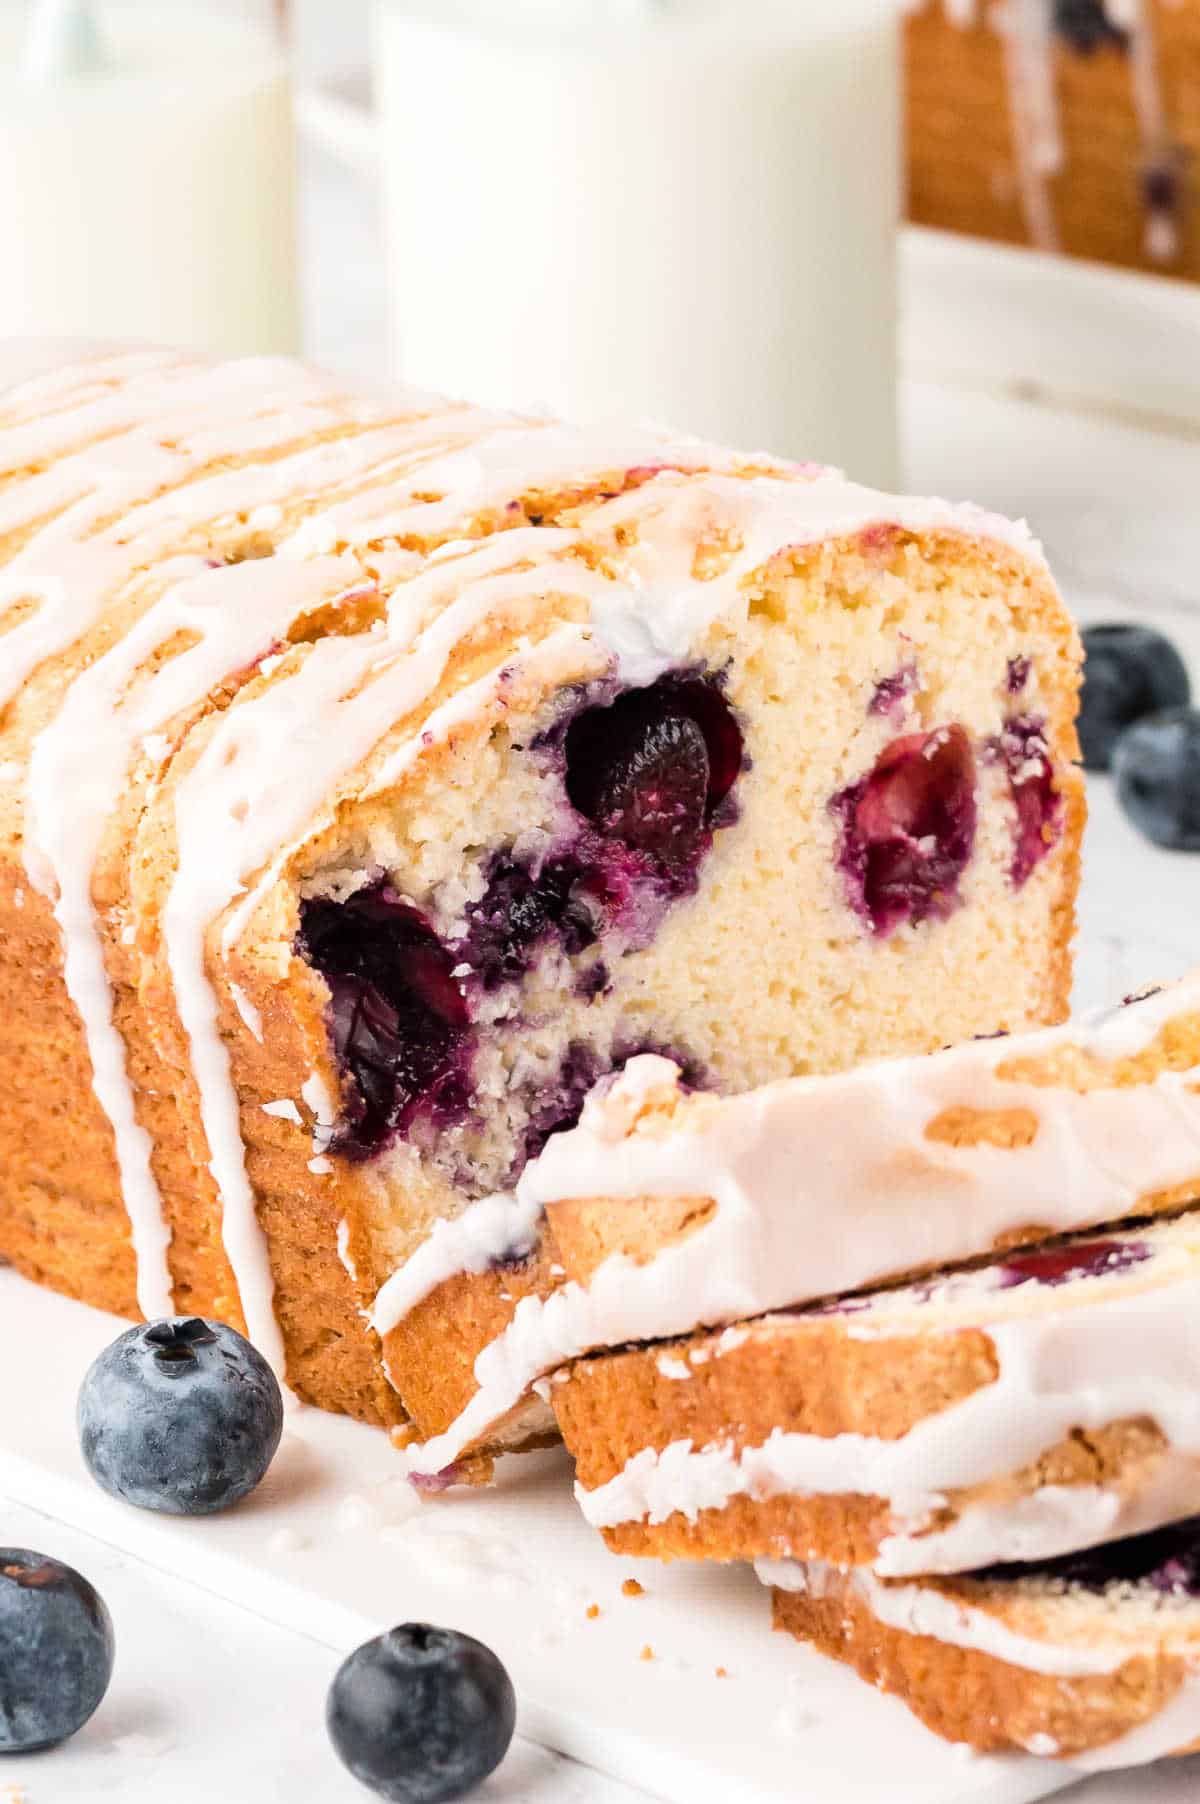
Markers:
<point>382,774</point>
<point>1019,1410</point>
<point>1094,1658</point>
<point>666,1209</point>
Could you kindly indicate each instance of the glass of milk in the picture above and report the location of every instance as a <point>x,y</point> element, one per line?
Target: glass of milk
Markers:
<point>681,210</point>
<point>146,173</point>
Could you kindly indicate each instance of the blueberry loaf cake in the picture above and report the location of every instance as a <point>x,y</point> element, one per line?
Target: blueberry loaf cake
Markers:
<point>378,774</point>
<point>1019,1410</point>
<point>668,1208</point>
<point>1093,1658</point>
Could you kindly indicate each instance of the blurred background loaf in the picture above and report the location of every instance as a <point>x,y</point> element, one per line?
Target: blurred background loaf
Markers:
<point>1069,125</point>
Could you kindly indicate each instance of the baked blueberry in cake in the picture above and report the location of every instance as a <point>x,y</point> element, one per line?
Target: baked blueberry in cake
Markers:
<point>389,773</point>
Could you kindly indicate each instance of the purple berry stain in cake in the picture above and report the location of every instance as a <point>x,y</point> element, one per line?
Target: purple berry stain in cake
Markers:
<point>891,692</point>
<point>399,1022</point>
<point>908,829</point>
<point>1083,1259</point>
<point>1166,1559</point>
<point>521,909</point>
<point>559,1104</point>
<point>649,774</point>
<point>1016,675</point>
<point>1021,748</point>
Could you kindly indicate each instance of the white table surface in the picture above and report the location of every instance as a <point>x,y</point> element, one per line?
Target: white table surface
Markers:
<point>212,1702</point>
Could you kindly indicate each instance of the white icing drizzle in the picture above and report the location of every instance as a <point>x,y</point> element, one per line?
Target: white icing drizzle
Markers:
<point>71,569</point>
<point>251,1015</point>
<point>284,1110</point>
<point>495,1227</point>
<point>40,375</point>
<point>1027,27</point>
<point>80,762</point>
<point>314,1093</point>
<point>1052,1520</point>
<point>1064,1367</point>
<point>920,1610</point>
<point>79,765</point>
<point>786,1161</point>
<point>1161,230</point>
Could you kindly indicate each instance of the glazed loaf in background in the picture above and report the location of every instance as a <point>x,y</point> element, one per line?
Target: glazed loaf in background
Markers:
<point>1069,125</point>
<point>380,773</point>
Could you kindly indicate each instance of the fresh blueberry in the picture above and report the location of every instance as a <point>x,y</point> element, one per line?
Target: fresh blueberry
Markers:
<point>421,1715</point>
<point>1156,765</point>
<point>1131,671</point>
<point>56,1651</point>
<point>181,1416</point>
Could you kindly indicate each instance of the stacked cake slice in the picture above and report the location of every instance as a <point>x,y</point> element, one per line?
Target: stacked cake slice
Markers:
<point>668,1209</point>
<point>961,1483</point>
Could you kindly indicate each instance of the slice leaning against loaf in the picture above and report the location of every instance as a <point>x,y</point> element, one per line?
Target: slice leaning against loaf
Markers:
<point>666,1210</point>
<point>1093,1659</point>
<point>1023,1409</point>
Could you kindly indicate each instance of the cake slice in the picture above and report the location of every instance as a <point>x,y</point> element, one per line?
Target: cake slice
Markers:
<point>1030,1407</point>
<point>381,774</point>
<point>1092,1659</point>
<point>667,1209</point>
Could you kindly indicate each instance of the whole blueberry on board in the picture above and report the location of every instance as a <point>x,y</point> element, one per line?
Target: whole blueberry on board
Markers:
<point>1156,765</point>
<point>181,1416</point>
<point>421,1715</point>
<point>1130,671</point>
<point>56,1651</point>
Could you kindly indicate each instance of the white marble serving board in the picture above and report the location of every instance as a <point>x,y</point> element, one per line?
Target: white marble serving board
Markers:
<point>336,1546</point>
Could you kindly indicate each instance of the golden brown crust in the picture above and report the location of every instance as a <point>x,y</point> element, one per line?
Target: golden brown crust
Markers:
<point>971,1697</point>
<point>808,1375</point>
